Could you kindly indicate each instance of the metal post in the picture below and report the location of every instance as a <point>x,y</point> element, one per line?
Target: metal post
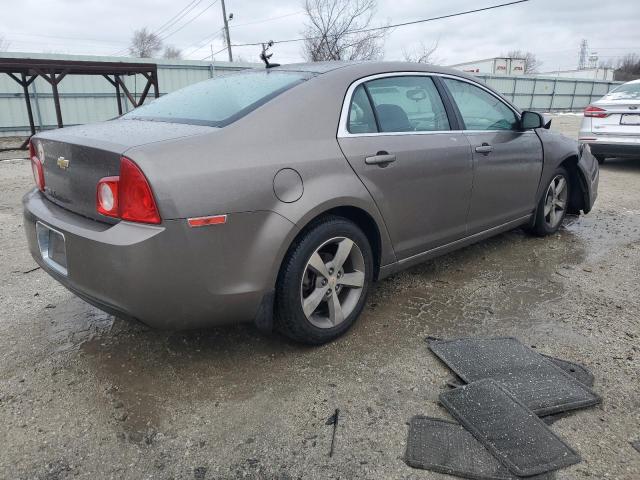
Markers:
<point>533,93</point>
<point>34,90</point>
<point>25,88</point>
<point>118,96</point>
<point>56,99</point>
<point>226,30</point>
<point>573,97</point>
<point>553,94</point>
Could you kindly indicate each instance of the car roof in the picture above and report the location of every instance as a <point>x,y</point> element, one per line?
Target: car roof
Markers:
<point>363,68</point>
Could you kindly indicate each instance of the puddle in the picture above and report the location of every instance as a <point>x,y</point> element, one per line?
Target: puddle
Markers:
<point>151,376</point>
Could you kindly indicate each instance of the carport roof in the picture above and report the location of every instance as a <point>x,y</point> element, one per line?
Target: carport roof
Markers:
<point>30,66</point>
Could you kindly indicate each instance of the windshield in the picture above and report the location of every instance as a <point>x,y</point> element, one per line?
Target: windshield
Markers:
<point>628,91</point>
<point>219,101</point>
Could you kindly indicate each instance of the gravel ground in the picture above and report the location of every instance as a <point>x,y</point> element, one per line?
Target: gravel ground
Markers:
<point>85,395</point>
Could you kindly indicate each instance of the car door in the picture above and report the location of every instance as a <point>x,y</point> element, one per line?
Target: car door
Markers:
<point>396,134</point>
<point>507,162</point>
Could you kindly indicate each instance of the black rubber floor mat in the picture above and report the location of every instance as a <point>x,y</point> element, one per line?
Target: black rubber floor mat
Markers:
<point>577,371</point>
<point>446,447</point>
<point>508,429</point>
<point>541,385</point>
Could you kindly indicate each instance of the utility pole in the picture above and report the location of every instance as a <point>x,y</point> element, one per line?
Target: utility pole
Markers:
<point>226,30</point>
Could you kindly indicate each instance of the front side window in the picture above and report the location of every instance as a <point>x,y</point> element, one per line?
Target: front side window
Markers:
<point>219,101</point>
<point>479,109</point>
<point>407,104</point>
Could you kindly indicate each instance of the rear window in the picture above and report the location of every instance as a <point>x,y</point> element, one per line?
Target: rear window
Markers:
<point>219,101</point>
<point>628,91</point>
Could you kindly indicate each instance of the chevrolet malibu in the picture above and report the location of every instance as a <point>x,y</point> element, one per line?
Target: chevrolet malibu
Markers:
<point>280,195</point>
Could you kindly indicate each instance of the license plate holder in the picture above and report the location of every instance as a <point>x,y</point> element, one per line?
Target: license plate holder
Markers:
<point>52,247</point>
<point>630,119</point>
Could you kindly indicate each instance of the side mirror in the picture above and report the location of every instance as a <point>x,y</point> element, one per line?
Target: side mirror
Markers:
<point>531,120</point>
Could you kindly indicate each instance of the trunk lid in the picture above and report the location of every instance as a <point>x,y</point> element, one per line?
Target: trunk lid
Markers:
<point>623,115</point>
<point>76,158</point>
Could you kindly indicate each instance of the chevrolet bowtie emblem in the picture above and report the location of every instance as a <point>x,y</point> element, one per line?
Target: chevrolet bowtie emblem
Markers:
<point>63,163</point>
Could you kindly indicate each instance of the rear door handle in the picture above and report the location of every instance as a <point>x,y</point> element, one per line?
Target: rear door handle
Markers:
<point>381,158</point>
<point>485,149</point>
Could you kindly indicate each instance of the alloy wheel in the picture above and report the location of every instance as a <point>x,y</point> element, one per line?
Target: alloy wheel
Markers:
<point>555,202</point>
<point>332,282</point>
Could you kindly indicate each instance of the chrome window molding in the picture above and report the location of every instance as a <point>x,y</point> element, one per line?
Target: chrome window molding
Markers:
<point>343,131</point>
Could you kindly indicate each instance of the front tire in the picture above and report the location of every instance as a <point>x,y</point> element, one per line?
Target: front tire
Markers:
<point>554,204</point>
<point>324,281</point>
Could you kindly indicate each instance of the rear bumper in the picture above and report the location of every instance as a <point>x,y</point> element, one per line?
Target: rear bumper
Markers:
<point>167,276</point>
<point>612,146</point>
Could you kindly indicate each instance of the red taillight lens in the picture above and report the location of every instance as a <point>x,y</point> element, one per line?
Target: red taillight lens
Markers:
<point>595,112</point>
<point>128,196</point>
<point>36,167</point>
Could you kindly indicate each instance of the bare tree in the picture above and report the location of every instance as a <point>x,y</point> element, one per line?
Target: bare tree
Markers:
<point>531,62</point>
<point>4,44</point>
<point>422,53</point>
<point>144,44</point>
<point>333,30</point>
<point>628,68</point>
<point>172,52</point>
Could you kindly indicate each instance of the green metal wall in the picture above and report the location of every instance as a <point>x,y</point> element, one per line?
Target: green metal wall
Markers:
<point>87,99</point>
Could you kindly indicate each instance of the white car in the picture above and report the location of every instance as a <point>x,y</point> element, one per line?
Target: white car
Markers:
<point>611,126</point>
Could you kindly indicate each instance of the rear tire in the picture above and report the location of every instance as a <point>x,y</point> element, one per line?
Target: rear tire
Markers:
<point>324,281</point>
<point>553,205</point>
<point>600,158</point>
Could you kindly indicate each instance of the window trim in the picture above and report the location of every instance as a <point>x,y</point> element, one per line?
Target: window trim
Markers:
<point>343,131</point>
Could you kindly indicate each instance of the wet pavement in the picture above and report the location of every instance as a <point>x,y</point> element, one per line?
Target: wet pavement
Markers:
<point>85,395</point>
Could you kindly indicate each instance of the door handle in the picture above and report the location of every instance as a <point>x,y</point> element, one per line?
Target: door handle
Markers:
<point>381,158</point>
<point>485,149</point>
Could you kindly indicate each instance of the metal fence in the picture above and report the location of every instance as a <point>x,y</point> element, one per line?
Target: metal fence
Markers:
<point>549,94</point>
<point>87,99</point>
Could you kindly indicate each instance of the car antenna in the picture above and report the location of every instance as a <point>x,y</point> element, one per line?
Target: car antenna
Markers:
<point>265,58</point>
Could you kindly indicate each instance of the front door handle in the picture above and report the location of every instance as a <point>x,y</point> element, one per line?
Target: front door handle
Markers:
<point>381,158</point>
<point>485,149</point>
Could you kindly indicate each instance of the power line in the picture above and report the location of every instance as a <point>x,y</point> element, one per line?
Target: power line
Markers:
<point>177,16</point>
<point>233,27</point>
<point>403,24</point>
<point>264,20</point>
<point>188,22</point>
<point>214,54</point>
<point>202,41</point>
<point>170,23</point>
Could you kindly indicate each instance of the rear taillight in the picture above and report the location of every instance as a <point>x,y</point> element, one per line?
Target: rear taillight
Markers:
<point>36,166</point>
<point>127,196</point>
<point>595,112</point>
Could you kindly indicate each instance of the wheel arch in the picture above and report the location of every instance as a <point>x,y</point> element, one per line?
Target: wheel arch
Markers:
<point>365,220</point>
<point>579,192</point>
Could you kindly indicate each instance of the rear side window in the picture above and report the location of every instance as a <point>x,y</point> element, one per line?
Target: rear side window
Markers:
<point>219,101</point>
<point>361,118</point>
<point>408,104</point>
<point>479,109</point>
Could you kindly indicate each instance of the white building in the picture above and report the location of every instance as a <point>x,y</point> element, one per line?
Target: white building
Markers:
<point>493,66</point>
<point>586,73</point>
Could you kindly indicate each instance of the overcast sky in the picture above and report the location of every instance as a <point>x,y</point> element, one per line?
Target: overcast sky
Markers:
<point>552,29</point>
